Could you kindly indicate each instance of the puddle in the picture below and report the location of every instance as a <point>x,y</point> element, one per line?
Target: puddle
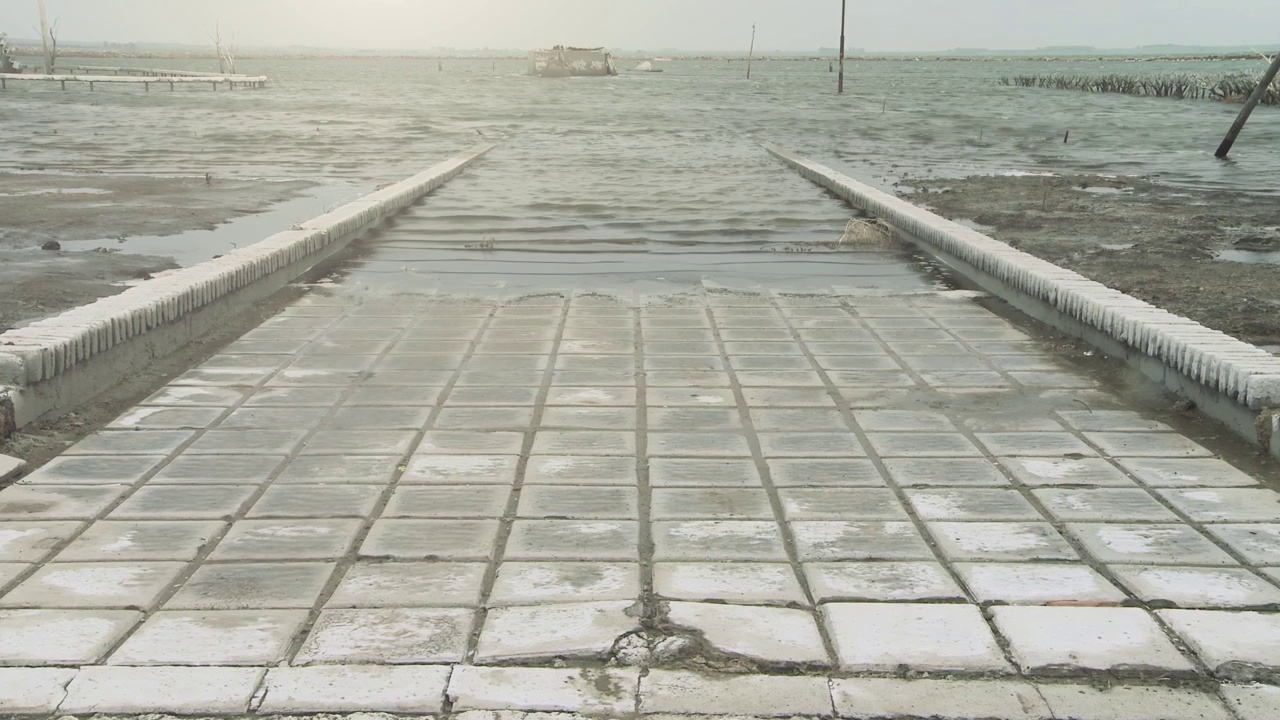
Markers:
<point>1116,246</point>
<point>1254,257</point>
<point>197,246</point>
<point>975,225</point>
<point>1106,191</point>
<point>59,191</point>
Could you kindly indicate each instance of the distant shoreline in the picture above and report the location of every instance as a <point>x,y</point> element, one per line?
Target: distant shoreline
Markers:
<point>116,54</point>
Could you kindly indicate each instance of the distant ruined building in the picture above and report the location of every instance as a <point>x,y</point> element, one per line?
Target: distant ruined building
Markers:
<point>7,62</point>
<point>561,61</point>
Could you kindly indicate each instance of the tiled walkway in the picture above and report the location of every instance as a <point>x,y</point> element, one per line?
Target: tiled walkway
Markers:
<point>368,506</point>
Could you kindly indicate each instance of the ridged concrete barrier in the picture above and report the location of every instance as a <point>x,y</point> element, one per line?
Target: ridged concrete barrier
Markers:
<point>54,365</point>
<point>1230,380</point>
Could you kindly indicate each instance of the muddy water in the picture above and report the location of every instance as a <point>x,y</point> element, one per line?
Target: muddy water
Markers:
<point>640,175</point>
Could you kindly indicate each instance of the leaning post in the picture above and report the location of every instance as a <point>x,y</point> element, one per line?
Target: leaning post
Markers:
<point>1225,148</point>
<point>844,4</point>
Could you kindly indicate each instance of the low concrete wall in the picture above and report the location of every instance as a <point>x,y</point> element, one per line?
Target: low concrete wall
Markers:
<point>54,365</point>
<point>1232,381</point>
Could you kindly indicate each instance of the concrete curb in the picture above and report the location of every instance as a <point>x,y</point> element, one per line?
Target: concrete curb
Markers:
<point>57,363</point>
<point>1231,380</point>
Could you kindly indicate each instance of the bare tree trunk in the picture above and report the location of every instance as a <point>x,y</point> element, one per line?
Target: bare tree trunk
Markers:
<point>53,45</point>
<point>751,53</point>
<point>843,8</point>
<point>44,38</point>
<point>1225,148</point>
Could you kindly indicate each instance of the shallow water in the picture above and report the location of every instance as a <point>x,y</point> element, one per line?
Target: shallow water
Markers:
<point>636,168</point>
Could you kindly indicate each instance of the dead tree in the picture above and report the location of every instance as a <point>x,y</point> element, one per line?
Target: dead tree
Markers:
<point>226,52</point>
<point>53,44</point>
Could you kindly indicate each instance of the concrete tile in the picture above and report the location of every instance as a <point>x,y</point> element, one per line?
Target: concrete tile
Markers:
<point>418,396</point>
<point>1226,504</point>
<point>461,470</point>
<point>152,690</point>
<point>1123,505</point>
<point>1038,584</point>
<point>340,469</point>
<point>94,470</point>
<point>229,470</point>
<point>61,637</point>
<point>609,692</point>
<point>712,397</point>
<point>287,540</point>
<point>841,504</point>
<point>580,470</point>
<point>511,419</point>
<point>748,583</point>
<point>970,504</point>
<point>1000,541</point>
<point>592,396</point>
<point>316,501</point>
<point>1146,445</point>
<point>184,502</point>
<point>839,540</point>
<point>1257,544</point>
<point>588,418</point>
<point>578,503</point>
<point>211,637</point>
<point>394,636</point>
<point>10,572</point>
<point>33,691</point>
<point>881,582</point>
<point>443,442</point>
<point>710,504</point>
<point>64,502</point>
<point>1209,588</point>
<point>361,442</point>
<point>1034,444</point>
<point>903,421</point>
<point>1084,702</point>
<point>537,583</point>
<point>573,540</point>
<point>30,542</point>
<point>387,417</point>
<point>448,501</point>
<point>247,442</point>
<point>718,540</point>
<point>1253,702</point>
<point>408,689</point>
<point>693,444</point>
<point>1069,640</point>
<point>778,445</point>
<point>781,362</point>
<point>879,637</point>
<point>274,418</point>
<point>131,442</point>
<point>822,473</point>
<point>1166,544</point>
<point>573,630</point>
<point>253,586</point>
<point>1237,646</point>
<point>1187,472</point>
<point>719,472</point>
<point>768,634</point>
<point>694,419</point>
<point>1086,472</point>
<point>293,396</point>
<point>486,395</point>
<point>431,540</point>
<point>946,445</point>
<point>1110,421</point>
<point>944,472</point>
<point>128,586</point>
<point>688,693</point>
<point>409,584</point>
<point>190,396</point>
<point>938,699</point>
<point>787,397</point>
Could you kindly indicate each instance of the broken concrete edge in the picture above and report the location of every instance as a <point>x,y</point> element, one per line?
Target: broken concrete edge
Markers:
<point>607,692</point>
<point>101,342</point>
<point>1246,376</point>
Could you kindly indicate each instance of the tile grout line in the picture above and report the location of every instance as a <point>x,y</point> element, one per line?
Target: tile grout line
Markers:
<point>511,511</point>
<point>352,556</point>
<point>644,490</point>
<point>766,481</point>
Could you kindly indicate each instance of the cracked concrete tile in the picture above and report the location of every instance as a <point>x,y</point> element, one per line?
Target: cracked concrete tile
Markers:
<point>572,630</point>
<point>33,691</point>
<point>154,690</point>
<point>388,636</point>
<point>768,634</point>
<point>609,692</point>
<point>748,583</point>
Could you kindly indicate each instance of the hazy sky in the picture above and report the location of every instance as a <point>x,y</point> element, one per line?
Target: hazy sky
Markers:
<point>653,24</point>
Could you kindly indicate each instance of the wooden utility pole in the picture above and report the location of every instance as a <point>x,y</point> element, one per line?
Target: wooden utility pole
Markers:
<point>844,4</point>
<point>752,53</point>
<point>44,38</point>
<point>1225,148</point>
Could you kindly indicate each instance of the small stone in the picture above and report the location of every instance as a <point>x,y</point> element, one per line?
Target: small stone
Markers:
<point>632,650</point>
<point>673,648</point>
<point>51,245</point>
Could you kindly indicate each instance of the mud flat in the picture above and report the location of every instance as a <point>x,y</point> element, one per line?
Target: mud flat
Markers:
<point>1211,256</point>
<point>73,210</point>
